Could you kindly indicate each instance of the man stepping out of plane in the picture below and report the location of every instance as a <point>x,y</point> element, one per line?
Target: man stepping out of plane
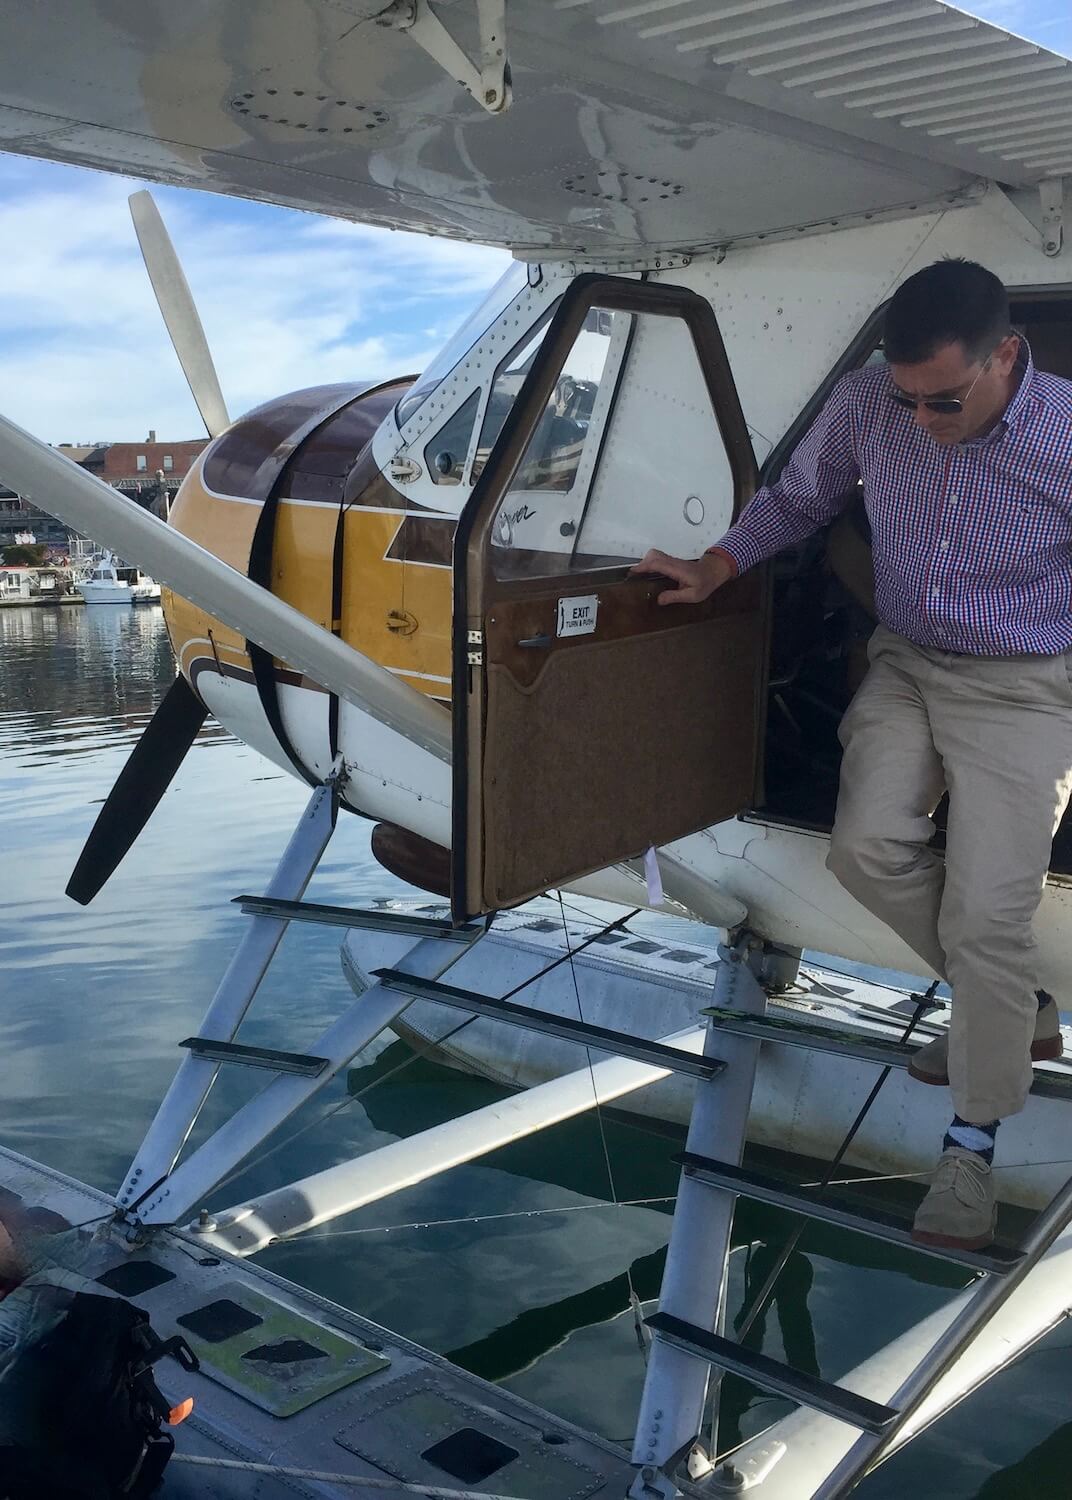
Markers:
<point>965,453</point>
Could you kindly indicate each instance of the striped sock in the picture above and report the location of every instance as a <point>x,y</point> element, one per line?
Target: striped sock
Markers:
<point>976,1138</point>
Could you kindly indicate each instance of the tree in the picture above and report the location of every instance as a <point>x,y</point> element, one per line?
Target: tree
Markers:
<point>23,556</point>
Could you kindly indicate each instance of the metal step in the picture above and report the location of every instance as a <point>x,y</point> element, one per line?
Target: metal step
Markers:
<point>403,923</point>
<point>840,1210</point>
<point>255,1057</point>
<point>772,1375</point>
<point>877,1049</point>
<point>620,1043</point>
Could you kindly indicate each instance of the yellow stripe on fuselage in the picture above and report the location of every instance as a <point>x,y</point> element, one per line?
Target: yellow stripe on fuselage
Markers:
<point>394,611</point>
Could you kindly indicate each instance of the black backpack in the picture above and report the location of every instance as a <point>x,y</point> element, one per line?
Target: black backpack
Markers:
<point>90,1415</point>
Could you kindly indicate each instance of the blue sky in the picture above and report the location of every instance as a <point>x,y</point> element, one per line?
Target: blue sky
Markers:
<point>287,299</point>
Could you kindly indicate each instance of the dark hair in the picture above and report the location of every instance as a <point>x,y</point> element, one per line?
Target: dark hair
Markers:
<point>953,301</point>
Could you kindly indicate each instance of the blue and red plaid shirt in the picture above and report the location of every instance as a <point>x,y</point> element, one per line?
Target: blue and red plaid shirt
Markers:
<point>972,543</point>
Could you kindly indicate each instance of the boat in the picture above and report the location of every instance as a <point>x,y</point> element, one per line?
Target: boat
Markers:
<point>112,582</point>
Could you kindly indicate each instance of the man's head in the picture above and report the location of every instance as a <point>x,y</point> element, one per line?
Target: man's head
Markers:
<point>948,340</point>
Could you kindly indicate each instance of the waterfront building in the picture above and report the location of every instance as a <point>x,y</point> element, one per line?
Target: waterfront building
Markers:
<point>149,472</point>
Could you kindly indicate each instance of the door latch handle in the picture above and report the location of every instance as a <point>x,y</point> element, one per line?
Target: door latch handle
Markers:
<point>537,642</point>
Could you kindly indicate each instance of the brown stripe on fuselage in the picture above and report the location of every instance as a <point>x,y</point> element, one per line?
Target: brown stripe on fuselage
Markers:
<point>195,665</point>
<point>424,539</point>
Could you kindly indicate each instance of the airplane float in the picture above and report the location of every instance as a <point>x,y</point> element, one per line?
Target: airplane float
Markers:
<point>416,596</point>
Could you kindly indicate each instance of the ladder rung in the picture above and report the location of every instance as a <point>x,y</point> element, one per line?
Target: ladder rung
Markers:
<point>837,1209</point>
<point>255,1057</point>
<point>881,1050</point>
<point>772,1375</point>
<point>620,1043</point>
<point>404,923</point>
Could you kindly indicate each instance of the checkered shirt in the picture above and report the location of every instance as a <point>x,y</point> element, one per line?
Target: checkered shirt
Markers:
<point>972,543</point>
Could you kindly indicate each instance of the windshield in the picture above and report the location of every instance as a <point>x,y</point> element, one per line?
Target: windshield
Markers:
<point>512,281</point>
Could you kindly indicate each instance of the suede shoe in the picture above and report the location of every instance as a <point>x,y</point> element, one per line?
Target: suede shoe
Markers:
<point>958,1211</point>
<point>931,1063</point>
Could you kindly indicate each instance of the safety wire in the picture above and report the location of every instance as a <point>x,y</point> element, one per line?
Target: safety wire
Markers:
<point>634,1300</point>
<point>517,1213</point>
<point>766,1291</point>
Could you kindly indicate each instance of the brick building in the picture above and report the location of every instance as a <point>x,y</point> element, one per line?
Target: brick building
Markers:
<point>147,472</point>
<point>145,468</point>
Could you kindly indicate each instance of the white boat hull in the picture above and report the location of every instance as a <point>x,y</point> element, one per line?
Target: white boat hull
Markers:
<point>106,593</point>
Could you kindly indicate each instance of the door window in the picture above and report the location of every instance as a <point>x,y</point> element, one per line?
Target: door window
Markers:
<point>626,455</point>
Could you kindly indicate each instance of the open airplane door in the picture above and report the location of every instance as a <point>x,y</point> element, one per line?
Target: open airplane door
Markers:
<point>591,723</point>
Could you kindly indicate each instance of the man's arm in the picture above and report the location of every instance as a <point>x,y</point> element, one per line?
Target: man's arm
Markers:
<point>813,488</point>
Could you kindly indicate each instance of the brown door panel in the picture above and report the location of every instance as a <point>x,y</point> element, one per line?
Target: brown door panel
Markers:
<point>647,758</point>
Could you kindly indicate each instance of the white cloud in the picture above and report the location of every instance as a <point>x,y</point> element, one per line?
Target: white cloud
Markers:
<point>287,300</point>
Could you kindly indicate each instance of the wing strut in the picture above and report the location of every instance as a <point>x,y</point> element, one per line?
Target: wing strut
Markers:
<point>488,78</point>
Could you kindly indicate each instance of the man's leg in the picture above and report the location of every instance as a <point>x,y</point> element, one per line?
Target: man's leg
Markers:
<point>1004,731</point>
<point>891,781</point>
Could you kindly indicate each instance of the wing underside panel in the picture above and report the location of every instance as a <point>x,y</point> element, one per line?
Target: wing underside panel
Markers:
<point>668,124</point>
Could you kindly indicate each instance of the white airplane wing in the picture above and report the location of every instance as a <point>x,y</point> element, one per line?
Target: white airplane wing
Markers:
<point>673,124</point>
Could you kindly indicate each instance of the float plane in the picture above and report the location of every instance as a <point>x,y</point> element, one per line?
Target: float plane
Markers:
<point>416,596</point>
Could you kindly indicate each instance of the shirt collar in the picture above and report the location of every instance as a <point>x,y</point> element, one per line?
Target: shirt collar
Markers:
<point>1026,365</point>
<point>1015,409</point>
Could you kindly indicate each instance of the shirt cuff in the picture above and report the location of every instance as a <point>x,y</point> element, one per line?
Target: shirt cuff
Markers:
<point>739,546</point>
<point>722,552</point>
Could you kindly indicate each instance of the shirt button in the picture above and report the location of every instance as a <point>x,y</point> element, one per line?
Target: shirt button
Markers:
<point>944,545</point>
<point>935,593</point>
<point>953,499</point>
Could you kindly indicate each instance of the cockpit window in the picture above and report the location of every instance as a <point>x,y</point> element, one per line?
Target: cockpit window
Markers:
<point>509,378</point>
<point>505,289</point>
<point>554,453</point>
<point>445,455</point>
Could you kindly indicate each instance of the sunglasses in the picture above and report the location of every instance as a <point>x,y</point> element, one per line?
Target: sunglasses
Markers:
<point>945,405</point>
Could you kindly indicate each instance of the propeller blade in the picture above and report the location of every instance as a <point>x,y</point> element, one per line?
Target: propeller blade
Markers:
<point>142,782</point>
<point>180,314</point>
<point>42,474</point>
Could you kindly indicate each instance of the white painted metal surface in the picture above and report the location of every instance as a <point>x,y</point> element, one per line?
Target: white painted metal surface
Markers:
<point>630,126</point>
<point>230,1418</point>
<point>179,312</point>
<point>697,1257</point>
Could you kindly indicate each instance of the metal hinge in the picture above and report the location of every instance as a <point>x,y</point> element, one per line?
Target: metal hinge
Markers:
<point>404,470</point>
<point>475,655</point>
<point>1052,196</point>
<point>486,78</point>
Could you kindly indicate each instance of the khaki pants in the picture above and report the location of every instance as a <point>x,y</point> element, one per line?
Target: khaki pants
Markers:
<point>996,733</point>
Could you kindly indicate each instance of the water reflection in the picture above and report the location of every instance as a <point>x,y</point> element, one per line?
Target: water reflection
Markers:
<point>789,1299</point>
